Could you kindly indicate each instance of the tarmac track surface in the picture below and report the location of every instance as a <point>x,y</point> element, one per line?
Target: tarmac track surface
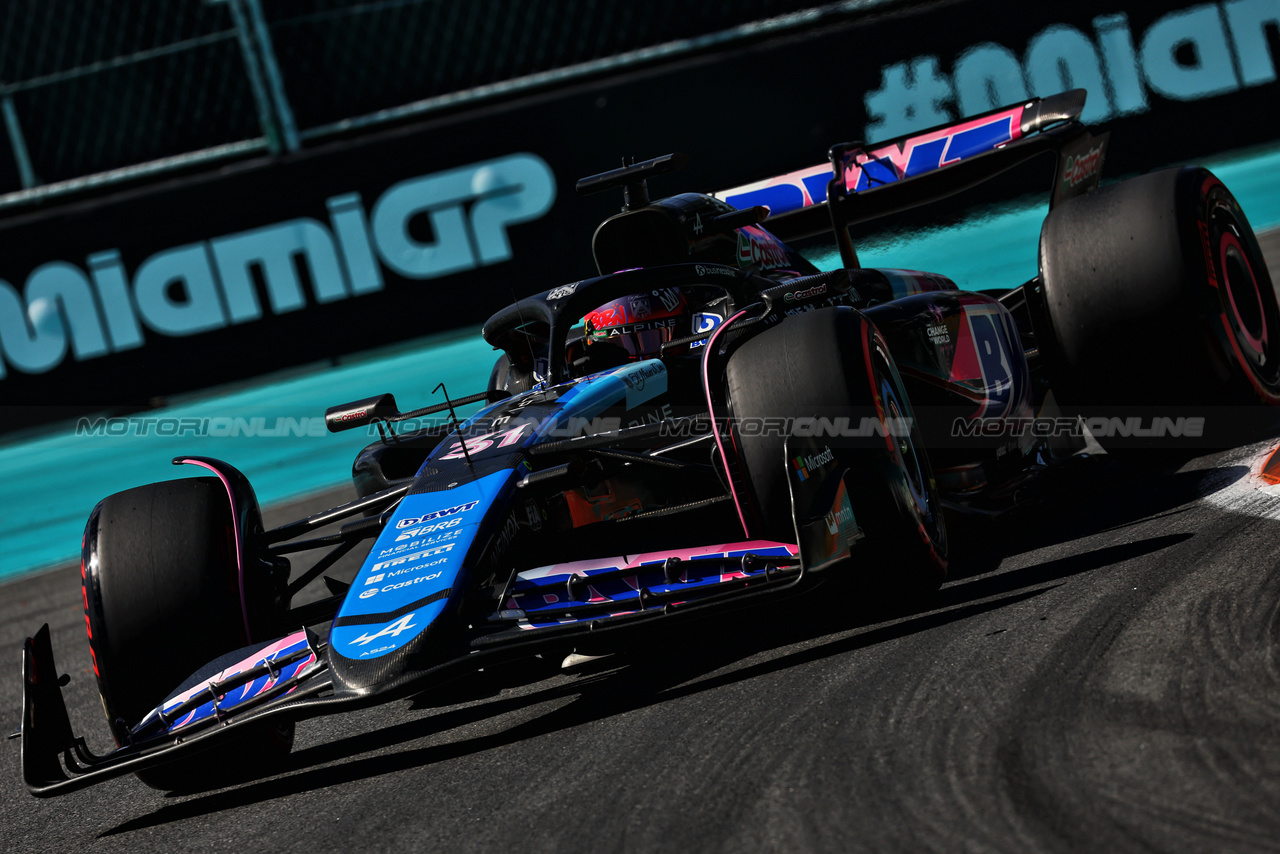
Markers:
<point>1100,673</point>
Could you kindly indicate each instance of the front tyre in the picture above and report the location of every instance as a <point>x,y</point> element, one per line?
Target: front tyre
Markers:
<point>162,599</point>
<point>832,363</point>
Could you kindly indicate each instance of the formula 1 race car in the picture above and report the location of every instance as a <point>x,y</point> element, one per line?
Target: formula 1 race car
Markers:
<point>709,422</point>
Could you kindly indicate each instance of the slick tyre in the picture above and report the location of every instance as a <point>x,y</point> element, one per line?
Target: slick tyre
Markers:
<point>1154,294</point>
<point>831,363</point>
<point>162,599</point>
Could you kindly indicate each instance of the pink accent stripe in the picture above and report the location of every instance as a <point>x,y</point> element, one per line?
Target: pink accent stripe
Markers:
<point>239,535</point>
<point>790,179</point>
<point>252,661</point>
<point>900,157</point>
<point>706,386</point>
<point>628,562</point>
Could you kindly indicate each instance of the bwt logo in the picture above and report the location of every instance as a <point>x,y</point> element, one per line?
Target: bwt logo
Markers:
<point>209,285</point>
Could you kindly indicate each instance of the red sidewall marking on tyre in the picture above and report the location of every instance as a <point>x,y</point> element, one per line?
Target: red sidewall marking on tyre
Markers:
<point>1227,243</point>
<point>1264,393</point>
<point>1202,223</point>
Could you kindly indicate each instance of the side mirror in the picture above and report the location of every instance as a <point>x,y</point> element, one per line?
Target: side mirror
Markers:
<point>346,416</point>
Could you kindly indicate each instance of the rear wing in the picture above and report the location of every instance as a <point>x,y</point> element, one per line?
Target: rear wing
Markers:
<point>913,170</point>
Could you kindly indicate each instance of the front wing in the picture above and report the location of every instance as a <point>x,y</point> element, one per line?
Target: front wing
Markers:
<point>548,609</point>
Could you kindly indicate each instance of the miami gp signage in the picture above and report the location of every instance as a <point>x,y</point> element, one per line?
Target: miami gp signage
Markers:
<point>101,308</point>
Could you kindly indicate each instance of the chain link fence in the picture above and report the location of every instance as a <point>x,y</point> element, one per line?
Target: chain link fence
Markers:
<point>342,59</point>
<point>97,91</point>
<point>89,86</point>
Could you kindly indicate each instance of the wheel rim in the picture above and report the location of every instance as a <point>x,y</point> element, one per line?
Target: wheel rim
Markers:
<point>1248,316</point>
<point>904,446</point>
<point>1251,318</point>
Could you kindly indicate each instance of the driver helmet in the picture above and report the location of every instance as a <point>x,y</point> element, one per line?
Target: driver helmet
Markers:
<point>641,323</point>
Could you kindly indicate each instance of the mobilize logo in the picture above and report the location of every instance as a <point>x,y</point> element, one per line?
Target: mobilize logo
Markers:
<point>207,285</point>
<point>420,542</point>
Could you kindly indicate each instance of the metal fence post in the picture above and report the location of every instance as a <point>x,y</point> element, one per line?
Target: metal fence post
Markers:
<point>267,55</point>
<point>19,144</point>
<point>266,116</point>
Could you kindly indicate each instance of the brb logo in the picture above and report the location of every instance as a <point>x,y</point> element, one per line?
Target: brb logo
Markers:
<point>186,290</point>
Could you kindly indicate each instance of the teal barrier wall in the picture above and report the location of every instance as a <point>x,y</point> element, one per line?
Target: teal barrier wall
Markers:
<point>273,431</point>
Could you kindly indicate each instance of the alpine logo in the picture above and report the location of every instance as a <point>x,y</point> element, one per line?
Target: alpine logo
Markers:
<point>391,630</point>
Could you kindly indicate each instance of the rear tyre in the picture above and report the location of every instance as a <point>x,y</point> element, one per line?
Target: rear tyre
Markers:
<point>833,363</point>
<point>162,598</point>
<point>1154,293</point>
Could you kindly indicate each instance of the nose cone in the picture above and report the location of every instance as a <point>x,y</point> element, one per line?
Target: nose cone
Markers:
<point>398,614</point>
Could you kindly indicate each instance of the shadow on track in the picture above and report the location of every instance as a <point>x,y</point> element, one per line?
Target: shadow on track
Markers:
<point>681,663</point>
<point>1097,496</point>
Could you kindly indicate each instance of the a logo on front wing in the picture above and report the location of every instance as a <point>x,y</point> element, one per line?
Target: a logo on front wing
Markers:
<point>377,650</point>
<point>436,514</point>
<point>391,630</point>
<point>410,558</point>
<point>427,529</point>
